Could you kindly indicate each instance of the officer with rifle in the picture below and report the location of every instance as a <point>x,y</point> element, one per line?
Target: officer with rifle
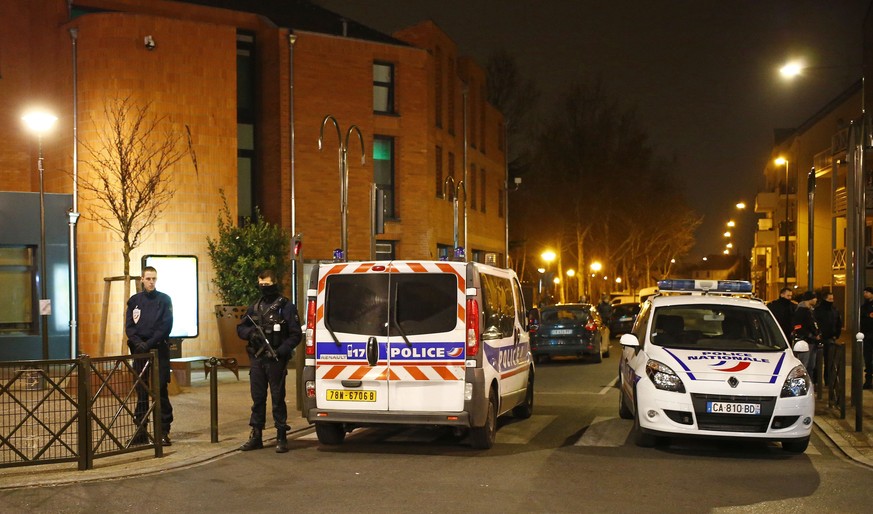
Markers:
<point>272,328</point>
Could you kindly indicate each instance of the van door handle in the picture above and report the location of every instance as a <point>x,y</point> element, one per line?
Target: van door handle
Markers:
<point>517,337</point>
<point>372,351</point>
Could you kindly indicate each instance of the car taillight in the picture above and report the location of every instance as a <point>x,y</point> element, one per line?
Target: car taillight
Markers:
<point>310,327</point>
<point>591,326</point>
<point>472,327</point>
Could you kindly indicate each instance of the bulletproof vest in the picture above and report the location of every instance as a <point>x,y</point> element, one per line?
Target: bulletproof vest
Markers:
<point>269,318</point>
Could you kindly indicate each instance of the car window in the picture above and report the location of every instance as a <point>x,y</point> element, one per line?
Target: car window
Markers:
<point>641,323</point>
<point>716,327</point>
<point>357,304</point>
<point>499,309</point>
<point>425,303</point>
<point>564,314</point>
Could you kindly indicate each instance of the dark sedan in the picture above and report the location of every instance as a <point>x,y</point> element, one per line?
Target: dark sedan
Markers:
<point>572,329</point>
<point>623,317</point>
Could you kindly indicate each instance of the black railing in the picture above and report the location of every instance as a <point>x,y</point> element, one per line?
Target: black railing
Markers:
<point>76,410</point>
<point>835,377</point>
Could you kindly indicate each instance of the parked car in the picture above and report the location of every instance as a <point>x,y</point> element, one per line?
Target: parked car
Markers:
<point>572,329</point>
<point>623,316</point>
<point>706,359</point>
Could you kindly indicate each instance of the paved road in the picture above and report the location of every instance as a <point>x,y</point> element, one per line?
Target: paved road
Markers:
<point>572,455</point>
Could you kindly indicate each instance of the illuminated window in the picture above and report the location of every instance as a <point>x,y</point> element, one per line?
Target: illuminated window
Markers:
<point>18,283</point>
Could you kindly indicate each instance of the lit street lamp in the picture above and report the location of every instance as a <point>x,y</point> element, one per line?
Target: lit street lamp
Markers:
<point>40,122</point>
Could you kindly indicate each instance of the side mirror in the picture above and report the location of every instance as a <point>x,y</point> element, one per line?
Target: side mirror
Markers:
<point>801,346</point>
<point>629,340</point>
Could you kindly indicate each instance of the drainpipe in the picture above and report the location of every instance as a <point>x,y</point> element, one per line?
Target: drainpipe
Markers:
<point>467,248</point>
<point>74,213</point>
<point>810,195</point>
<point>296,290</point>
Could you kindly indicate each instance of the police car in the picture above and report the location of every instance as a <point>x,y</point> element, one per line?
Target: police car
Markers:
<point>705,359</point>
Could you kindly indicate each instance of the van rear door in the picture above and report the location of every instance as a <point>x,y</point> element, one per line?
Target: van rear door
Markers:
<point>351,368</point>
<point>426,349</point>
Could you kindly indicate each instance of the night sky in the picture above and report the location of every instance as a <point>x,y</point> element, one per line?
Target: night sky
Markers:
<point>701,73</point>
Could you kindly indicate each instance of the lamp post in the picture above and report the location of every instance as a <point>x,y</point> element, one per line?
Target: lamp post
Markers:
<point>39,122</point>
<point>780,161</point>
<point>548,257</point>
<point>595,267</point>
<point>344,175</point>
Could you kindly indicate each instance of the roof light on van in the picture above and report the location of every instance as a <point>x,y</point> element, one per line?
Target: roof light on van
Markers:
<point>338,255</point>
<point>711,286</point>
<point>459,253</point>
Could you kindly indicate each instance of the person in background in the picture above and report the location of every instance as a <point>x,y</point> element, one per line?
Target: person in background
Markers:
<point>783,308</point>
<point>806,329</point>
<point>867,330</point>
<point>148,322</point>
<point>272,321</point>
<point>830,322</point>
<point>604,309</point>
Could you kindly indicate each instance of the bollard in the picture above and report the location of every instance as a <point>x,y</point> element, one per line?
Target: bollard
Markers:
<point>857,378</point>
<point>214,362</point>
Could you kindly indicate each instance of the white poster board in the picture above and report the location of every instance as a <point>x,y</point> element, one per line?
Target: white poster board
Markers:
<point>177,277</point>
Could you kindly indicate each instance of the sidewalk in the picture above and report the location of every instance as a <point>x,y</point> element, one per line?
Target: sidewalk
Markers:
<point>858,446</point>
<point>190,435</point>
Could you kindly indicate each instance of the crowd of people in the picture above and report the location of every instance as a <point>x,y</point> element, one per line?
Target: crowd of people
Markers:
<point>814,318</point>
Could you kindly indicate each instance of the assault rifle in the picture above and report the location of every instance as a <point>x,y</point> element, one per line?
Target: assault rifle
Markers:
<point>266,348</point>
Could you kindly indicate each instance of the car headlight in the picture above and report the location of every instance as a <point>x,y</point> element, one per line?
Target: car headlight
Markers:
<point>663,377</point>
<point>797,383</point>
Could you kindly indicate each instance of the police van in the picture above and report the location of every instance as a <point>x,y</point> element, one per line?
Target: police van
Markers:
<point>705,359</point>
<point>415,342</point>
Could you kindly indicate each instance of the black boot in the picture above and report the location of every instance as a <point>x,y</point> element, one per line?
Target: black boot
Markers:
<point>282,440</point>
<point>255,441</point>
<point>868,384</point>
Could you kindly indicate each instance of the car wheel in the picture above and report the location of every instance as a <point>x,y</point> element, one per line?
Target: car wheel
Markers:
<point>483,437</point>
<point>525,409</point>
<point>598,357</point>
<point>624,411</point>
<point>330,433</point>
<point>795,445</point>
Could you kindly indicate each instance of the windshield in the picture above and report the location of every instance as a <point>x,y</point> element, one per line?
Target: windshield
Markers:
<point>566,314</point>
<point>716,327</point>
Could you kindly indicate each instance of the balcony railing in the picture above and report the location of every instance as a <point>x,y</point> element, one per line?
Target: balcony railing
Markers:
<point>838,259</point>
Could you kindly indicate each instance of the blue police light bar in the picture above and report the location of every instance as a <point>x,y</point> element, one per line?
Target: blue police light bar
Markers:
<point>712,286</point>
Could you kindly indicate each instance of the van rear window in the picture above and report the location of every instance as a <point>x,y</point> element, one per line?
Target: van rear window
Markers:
<point>418,303</point>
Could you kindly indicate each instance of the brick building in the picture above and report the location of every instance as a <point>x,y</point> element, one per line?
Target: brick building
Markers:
<point>247,85</point>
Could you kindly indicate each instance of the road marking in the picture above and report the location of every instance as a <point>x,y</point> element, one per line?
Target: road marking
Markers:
<point>606,432</point>
<point>609,387</point>
<point>522,432</point>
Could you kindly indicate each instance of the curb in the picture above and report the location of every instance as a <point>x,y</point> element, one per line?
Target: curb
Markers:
<point>846,447</point>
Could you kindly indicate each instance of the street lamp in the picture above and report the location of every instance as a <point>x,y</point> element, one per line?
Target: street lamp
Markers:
<point>343,151</point>
<point>779,162</point>
<point>40,122</point>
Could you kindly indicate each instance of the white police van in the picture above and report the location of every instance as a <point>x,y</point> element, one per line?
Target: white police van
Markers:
<point>704,358</point>
<point>415,342</point>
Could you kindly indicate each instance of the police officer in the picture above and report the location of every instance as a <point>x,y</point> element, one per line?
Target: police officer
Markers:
<point>866,316</point>
<point>149,319</point>
<point>272,321</point>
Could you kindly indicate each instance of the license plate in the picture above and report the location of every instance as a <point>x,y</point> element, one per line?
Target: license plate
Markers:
<point>351,395</point>
<point>562,331</point>
<point>753,409</point>
<point>625,318</point>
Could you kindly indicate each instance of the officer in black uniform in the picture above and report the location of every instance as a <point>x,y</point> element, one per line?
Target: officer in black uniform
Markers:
<point>272,321</point>
<point>149,320</point>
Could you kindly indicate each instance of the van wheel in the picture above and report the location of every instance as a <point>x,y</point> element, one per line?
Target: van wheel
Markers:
<point>525,409</point>
<point>795,445</point>
<point>483,437</point>
<point>330,433</point>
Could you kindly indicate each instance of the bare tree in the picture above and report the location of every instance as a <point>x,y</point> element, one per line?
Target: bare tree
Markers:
<point>131,185</point>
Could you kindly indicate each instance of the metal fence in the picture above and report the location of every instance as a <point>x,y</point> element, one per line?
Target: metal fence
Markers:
<point>78,410</point>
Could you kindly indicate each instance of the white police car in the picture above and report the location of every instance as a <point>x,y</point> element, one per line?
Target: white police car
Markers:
<point>704,359</point>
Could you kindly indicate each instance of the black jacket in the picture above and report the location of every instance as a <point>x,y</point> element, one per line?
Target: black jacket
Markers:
<point>867,317</point>
<point>149,320</point>
<point>267,312</point>
<point>830,322</point>
<point>783,309</point>
<point>805,326</point>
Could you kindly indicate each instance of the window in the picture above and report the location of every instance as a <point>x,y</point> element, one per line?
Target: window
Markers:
<point>438,86</point>
<point>498,311</point>
<point>385,250</point>
<point>452,166</point>
<point>440,183</point>
<point>383,170</point>
<point>473,193</point>
<point>451,93</point>
<point>471,116</point>
<point>18,283</point>
<point>482,97</point>
<point>383,87</point>
<point>246,130</point>
<point>444,252</point>
<point>483,189</point>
